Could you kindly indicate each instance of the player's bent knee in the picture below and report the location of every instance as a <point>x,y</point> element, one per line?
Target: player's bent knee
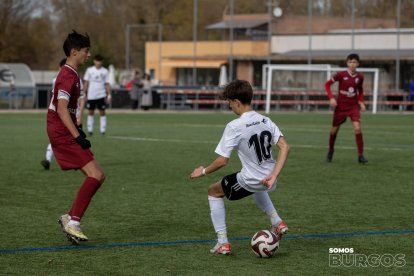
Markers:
<point>97,174</point>
<point>100,175</point>
<point>215,190</point>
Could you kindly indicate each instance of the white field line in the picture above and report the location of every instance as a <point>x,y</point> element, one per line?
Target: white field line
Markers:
<point>146,139</point>
<point>387,130</point>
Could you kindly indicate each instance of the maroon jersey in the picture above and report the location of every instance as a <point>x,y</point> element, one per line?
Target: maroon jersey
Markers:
<point>67,86</point>
<point>350,89</point>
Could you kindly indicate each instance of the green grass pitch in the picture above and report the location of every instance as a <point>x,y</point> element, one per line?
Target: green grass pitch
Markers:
<point>148,198</point>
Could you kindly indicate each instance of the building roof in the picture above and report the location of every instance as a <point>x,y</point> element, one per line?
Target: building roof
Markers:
<point>240,21</point>
<point>237,24</point>
<point>298,24</point>
<point>385,54</point>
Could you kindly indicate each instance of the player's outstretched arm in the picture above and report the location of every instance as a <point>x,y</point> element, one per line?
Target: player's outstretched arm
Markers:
<point>283,146</point>
<point>220,162</point>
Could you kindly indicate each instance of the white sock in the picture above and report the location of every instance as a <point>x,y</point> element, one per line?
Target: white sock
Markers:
<point>262,200</point>
<point>74,222</point>
<point>218,217</point>
<point>90,123</point>
<point>49,153</point>
<point>103,124</point>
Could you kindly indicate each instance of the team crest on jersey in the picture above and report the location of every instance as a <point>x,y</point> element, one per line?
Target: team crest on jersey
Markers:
<point>345,78</point>
<point>356,80</point>
<point>351,92</point>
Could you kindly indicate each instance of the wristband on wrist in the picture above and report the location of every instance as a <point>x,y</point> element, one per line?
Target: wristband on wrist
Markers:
<point>204,171</point>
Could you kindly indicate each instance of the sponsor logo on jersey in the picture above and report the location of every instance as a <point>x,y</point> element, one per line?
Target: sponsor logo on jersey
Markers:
<point>350,93</point>
<point>252,124</point>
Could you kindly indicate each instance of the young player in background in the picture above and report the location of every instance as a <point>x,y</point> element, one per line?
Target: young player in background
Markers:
<point>98,93</point>
<point>252,135</point>
<point>79,113</point>
<point>349,102</point>
<point>69,145</point>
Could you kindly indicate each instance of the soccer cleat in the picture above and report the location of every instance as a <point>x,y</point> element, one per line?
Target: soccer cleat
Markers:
<point>280,229</point>
<point>224,249</point>
<point>75,232</point>
<point>102,133</point>
<point>362,160</point>
<point>329,157</point>
<point>64,220</point>
<point>45,163</point>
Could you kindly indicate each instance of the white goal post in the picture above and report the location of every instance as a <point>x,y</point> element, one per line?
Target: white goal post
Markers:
<point>326,70</point>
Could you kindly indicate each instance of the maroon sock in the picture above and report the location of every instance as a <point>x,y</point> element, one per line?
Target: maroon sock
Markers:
<point>360,143</point>
<point>83,198</point>
<point>332,139</point>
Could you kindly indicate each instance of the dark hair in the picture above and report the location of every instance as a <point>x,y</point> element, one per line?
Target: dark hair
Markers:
<point>62,62</point>
<point>238,90</point>
<point>76,41</point>
<point>98,57</point>
<point>352,56</point>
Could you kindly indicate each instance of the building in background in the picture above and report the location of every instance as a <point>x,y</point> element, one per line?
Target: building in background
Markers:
<point>377,41</point>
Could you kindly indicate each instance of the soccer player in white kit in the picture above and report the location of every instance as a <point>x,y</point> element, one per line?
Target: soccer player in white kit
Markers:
<point>252,136</point>
<point>98,92</point>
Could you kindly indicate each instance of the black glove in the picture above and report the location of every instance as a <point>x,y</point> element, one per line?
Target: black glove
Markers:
<point>81,133</point>
<point>84,143</point>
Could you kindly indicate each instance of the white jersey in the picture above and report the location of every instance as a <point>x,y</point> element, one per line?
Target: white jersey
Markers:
<point>97,79</point>
<point>252,135</point>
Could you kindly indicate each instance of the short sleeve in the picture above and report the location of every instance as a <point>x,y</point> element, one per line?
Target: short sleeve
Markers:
<point>276,133</point>
<point>228,142</point>
<point>107,77</point>
<point>87,76</point>
<point>337,77</point>
<point>64,86</point>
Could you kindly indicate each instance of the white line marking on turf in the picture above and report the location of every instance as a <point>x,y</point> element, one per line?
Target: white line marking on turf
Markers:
<point>160,140</point>
<point>214,142</point>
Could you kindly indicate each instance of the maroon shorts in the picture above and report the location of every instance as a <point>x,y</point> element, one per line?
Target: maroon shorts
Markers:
<point>339,116</point>
<point>72,156</point>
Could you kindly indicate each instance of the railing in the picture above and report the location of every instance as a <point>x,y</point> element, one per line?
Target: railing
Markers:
<point>281,100</point>
<point>196,99</point>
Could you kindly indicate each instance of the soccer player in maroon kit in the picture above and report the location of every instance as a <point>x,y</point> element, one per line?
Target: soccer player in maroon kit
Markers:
<point>349,102</point>
<point>69,145</point>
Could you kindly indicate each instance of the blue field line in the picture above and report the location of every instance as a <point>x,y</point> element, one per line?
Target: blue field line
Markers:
<point>309,236</point>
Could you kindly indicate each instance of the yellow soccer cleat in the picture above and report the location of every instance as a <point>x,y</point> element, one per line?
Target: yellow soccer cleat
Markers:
<point>75,232</point>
